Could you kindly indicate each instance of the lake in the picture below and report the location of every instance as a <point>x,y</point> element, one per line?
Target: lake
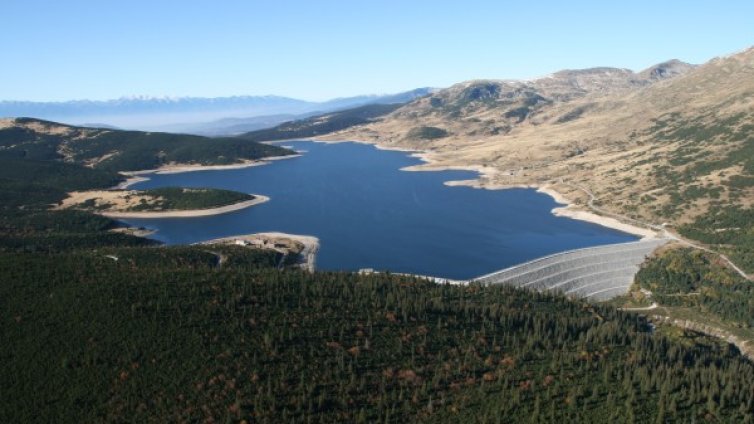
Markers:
<point>367,213</point>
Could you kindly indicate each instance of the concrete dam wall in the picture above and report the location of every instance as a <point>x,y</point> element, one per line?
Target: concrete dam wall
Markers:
<point>596,273</point>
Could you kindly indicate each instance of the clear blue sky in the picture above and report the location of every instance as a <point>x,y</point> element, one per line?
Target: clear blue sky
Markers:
<point>318,49</point>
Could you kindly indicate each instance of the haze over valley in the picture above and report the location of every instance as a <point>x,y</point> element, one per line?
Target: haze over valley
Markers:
<point>196,115</point>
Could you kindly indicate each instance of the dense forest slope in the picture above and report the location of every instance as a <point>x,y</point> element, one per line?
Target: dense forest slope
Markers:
<point>29,190</point>
<point>169,335</point>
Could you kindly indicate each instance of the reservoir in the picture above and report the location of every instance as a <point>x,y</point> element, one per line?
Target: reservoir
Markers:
<point>367,213</point>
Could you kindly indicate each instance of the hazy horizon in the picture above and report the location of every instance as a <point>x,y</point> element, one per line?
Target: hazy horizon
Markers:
<point>166,97</point>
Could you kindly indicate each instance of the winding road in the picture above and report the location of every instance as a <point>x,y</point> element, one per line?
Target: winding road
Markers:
<point>660,228</point>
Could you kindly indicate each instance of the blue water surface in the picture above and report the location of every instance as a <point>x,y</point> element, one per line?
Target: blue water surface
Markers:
<point>368,213</point>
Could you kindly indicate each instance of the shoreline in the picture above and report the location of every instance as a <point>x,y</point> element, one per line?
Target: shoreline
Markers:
<point>134,177</point>
<point>568,210</point>
<point>429,165</point>
<point>308,254</point>
<point>189,213</point>
<point>612,223</point>
<point>375,145</point>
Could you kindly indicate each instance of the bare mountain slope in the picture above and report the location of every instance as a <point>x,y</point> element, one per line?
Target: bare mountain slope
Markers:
<point>484,109</point>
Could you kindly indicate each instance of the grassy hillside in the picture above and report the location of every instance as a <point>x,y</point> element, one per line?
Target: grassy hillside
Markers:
<point>322,124</point>
<point>166,335</point>
<point>701,179</point>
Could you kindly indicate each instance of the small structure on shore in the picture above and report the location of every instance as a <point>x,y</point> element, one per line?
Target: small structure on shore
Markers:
<point>303,248</point>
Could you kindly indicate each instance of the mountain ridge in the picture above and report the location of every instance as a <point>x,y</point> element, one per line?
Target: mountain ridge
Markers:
<point>180,113</point>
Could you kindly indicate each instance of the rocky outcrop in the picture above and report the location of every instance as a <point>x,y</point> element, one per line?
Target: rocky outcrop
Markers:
<point>665,70</point>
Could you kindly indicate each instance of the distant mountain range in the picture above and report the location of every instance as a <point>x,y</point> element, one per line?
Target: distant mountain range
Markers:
<point>194,114</point>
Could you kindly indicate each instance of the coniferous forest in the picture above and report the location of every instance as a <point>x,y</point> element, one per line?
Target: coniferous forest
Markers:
<point>171,335</point>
